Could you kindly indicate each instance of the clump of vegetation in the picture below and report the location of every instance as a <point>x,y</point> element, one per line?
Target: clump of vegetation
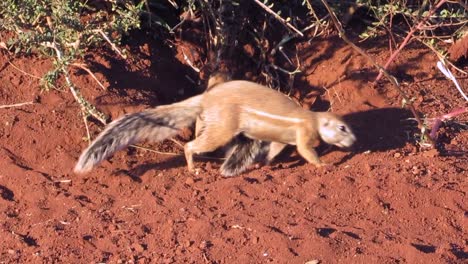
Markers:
<point>65,30</point>
<point>432,23</point>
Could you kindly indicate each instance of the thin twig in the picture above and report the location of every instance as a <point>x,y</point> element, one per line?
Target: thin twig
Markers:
<point>177,143</point>
<point>331,101</point>
<point>173,153</point>
<point>276,67</point>
<point>83,67</point>
<point>179,24</point>
<point>20,70</point>
<point>114,47</point>
<point>189,62</point>
<point>16,105</point>
<point>284,22</point>
<point>155,151</point>
<point>312,11</point>
<point>382,70</point>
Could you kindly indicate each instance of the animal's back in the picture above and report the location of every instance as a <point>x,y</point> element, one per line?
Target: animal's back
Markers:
<point>251,95</point>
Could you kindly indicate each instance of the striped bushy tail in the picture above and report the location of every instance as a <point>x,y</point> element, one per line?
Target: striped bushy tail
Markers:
<point>153,125</point>
<point>243,153</point>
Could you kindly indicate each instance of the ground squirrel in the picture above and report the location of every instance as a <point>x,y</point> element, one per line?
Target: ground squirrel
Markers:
<point>232,109</point>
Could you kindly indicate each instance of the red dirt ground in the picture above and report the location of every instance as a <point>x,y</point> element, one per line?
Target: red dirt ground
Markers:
<point>384,202</point>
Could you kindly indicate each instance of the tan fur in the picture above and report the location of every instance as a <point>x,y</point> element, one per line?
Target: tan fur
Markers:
<point>217,78</point>
<point>214,80</point>
<point>234,108</point>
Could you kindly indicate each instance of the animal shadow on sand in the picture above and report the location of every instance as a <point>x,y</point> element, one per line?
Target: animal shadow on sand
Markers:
<point>381,129</point>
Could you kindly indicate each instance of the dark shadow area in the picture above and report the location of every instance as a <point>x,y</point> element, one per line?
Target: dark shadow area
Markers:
<point>155,73</point>
<point>7,194</point>
<point>106,256</point>
<point>293,251</point>
<point>277,230</point>
<point>352,235</point>
<point>82,199</point>
<point>87,237</point>
<point>140,169</point>
<point>29,240</point>
<point>381,129</point>
<point>445,134</point>
<point>325,232</point>
<point>424,248</point>
<point>11,212</point>
<point>251,180</point>
<point>458,252</point>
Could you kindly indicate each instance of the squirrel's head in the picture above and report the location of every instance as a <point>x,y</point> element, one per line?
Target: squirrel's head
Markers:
<point>334,131</point>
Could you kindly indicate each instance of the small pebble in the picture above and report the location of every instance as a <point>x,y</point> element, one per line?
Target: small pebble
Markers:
<point>138,247</point>
<point>203,245</point>
<point>189,181</point>
<point>255,240</point>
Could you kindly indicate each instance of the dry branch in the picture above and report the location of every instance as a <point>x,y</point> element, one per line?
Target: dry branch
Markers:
<point>114,47</point>
<point>279,18</point>
<point>86,69</point>
<point>16,105</point>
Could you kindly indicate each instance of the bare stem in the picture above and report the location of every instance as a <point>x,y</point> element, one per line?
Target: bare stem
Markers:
<point>83,67</point>
<point>16,105</point>
<point>20,70</point>
<point>279,18</point>
<point>114,47</point>
<point>173,153</point>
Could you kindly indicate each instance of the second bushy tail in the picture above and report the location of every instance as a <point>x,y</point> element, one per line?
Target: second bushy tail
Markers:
<point>243,153</point>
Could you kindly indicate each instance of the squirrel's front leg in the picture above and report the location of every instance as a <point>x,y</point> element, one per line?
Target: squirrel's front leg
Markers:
<point>305,142</point>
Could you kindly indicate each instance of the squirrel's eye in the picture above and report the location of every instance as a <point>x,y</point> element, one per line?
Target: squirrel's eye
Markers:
<point>342,128</point>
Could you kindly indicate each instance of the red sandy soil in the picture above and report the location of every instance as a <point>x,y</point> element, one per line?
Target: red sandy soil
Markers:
<point>384,202</point>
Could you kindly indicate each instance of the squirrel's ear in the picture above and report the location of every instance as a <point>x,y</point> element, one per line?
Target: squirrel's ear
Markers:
<point>325,122</point>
